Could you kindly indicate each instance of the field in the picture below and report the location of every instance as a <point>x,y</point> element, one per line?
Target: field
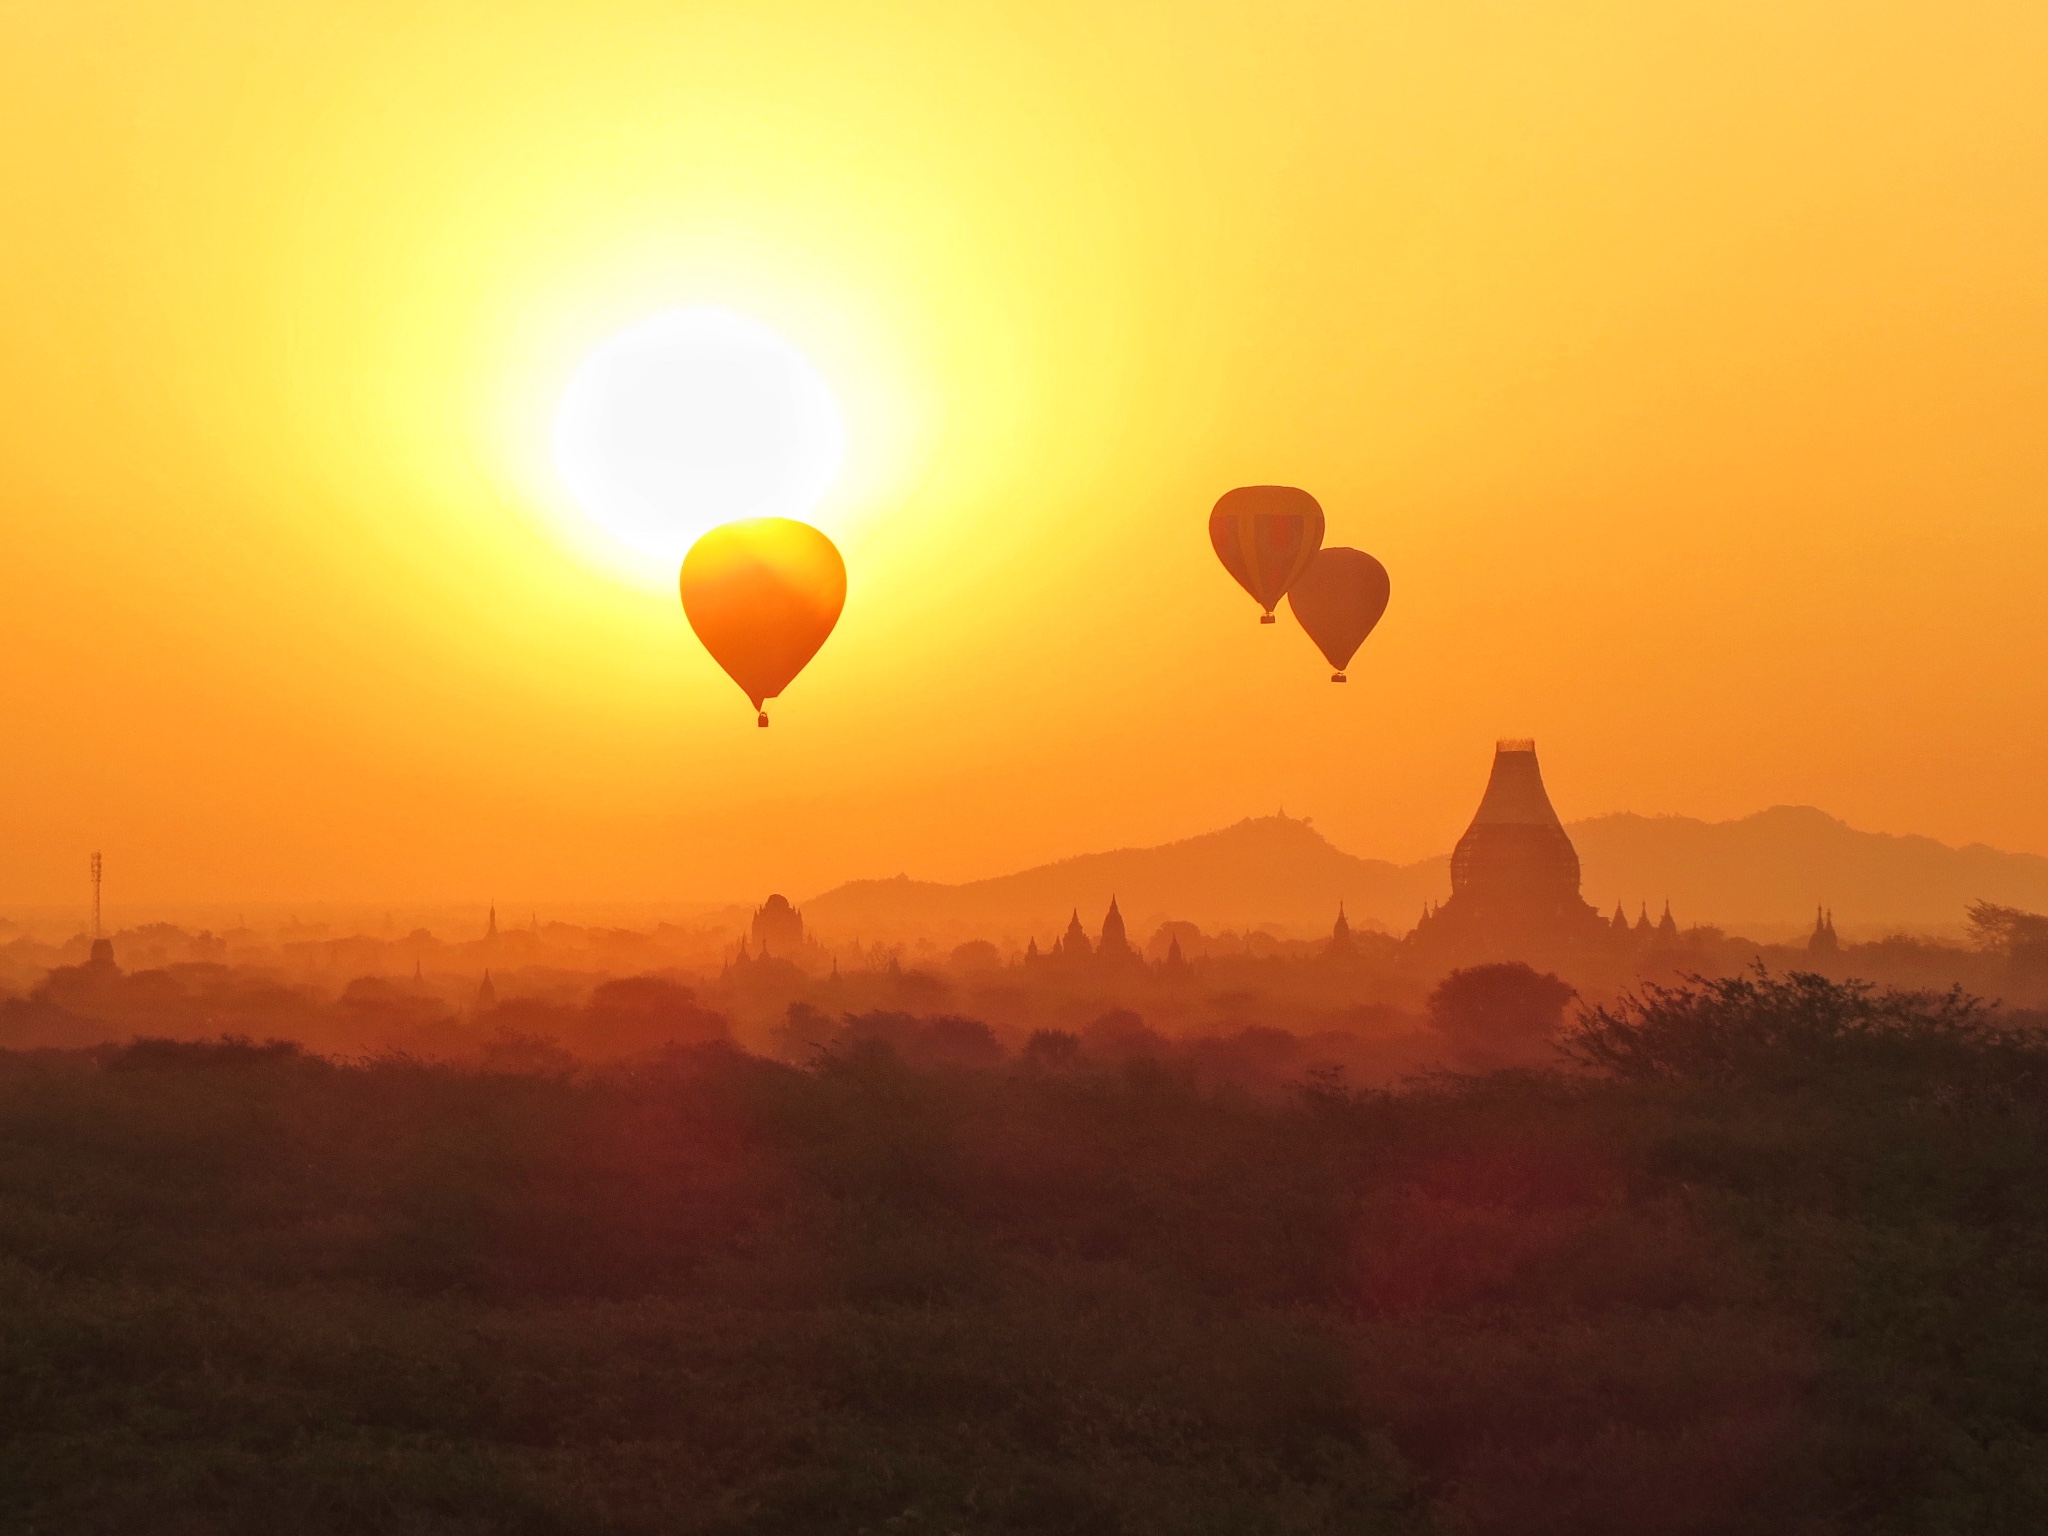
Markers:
<point>1762,1255</point>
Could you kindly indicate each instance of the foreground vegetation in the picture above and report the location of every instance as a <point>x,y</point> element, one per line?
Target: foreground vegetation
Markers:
<point>1766,1254</point>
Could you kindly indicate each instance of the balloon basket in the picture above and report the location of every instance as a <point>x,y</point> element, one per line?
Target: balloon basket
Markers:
<point>1336,677</point>
<point>763,721</point>
<point>1266,618</point>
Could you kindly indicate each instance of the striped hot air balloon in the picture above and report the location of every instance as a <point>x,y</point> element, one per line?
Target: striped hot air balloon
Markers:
<point>1265,535</point>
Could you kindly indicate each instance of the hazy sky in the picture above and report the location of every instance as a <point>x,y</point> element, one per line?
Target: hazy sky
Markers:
<point>1685,364</point>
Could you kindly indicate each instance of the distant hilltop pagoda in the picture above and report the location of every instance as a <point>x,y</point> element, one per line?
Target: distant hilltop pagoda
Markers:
<point>1514,875</point>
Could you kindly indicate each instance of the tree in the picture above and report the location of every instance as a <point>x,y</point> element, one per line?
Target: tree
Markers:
<point>637,1013</point>
<point>1797,1031</point>
<point>1498,1015</point>
<point>2021,936</point>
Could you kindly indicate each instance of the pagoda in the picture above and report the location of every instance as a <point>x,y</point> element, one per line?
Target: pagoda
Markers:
<point>1514,876</point>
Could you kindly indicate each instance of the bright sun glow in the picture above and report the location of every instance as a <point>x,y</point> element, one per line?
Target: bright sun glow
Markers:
<point>693,418</point>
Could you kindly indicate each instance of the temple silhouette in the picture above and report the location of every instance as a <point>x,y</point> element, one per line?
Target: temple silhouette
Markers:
<point>776,938</point>
<point>778,928</point>
<point>1112,951</point>
<point>1515,882</point>
<point>1824,940</point>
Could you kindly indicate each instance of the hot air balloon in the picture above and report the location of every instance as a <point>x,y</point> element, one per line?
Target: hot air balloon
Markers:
<point>1338,600</point>
<point>1265,535</point>
<point>762,594</point>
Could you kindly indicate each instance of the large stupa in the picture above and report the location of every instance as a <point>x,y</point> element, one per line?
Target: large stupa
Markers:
<point>1514,875</point>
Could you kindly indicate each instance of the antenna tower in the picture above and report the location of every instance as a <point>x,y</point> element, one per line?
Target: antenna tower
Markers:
<point>95,897</point>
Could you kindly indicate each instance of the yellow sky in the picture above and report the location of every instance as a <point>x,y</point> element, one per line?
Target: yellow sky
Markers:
<point>1686,364</point>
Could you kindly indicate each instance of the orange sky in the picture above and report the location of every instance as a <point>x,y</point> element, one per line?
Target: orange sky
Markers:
<point>1686,364</point>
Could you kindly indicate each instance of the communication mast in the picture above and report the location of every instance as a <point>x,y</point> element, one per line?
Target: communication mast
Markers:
<point>95,897</point>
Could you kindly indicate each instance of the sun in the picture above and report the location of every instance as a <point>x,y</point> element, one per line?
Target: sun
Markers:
<point>691,418</point>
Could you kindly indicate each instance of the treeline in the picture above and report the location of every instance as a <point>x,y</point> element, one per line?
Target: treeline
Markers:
<point>1763,1254</point>
<point>578,1022</point>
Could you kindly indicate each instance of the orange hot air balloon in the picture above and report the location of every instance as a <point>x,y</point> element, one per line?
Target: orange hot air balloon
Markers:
<point>1338,600</point>
<point>762,594</point>
<point>1265,535</point>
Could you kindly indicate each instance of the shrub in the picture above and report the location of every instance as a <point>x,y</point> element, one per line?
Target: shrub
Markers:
<point>1122,1035</point>
<point>229,1051</point>
<point>638,1013</point>
<point>1052,1048</point>
<point>1498,1015</point>
<point>1765,1030</point>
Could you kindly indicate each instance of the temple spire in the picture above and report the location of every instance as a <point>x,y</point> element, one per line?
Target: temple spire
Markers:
<point>1340,935</point>
<point>1115,943</point>
<point>1074,943</point>
<point>1823,940</point>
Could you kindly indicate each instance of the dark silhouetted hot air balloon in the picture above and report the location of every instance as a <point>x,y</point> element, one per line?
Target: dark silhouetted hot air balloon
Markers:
<point>1265,535</point>
<point>1338,600</point>
<point>762,594</point>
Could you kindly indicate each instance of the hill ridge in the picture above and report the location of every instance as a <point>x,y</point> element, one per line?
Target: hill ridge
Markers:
<point>1761,874</point>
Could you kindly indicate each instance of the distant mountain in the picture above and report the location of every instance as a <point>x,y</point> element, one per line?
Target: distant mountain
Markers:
<point>1269,870</point>
<point>1762,876</point>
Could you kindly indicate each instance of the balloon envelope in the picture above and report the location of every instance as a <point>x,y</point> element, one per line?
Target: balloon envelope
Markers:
<point>762,594</point>
<point>1265,535</point>
<point>1338,600</point>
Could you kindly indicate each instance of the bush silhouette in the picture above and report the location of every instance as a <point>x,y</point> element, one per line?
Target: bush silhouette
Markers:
<point>1498,1015</point>
<point>639,1013</point>
<point>1766,1263</point>
<point>1052,1048</point>
<point>1764,1030</point>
